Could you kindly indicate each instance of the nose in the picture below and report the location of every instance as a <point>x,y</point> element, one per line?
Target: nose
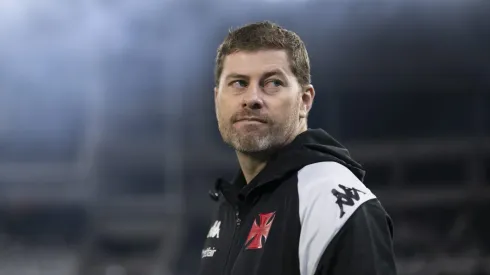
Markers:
<point>252,98</point>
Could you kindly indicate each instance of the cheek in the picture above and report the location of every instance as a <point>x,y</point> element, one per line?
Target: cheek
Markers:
<point>288,106</point>
<point>282,113</point>
<point>222,110</point>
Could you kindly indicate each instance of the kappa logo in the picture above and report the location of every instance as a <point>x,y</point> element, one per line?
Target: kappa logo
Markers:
<point>214,231</point>
<point>208,252</point>
<point>259,231</point>
<point>348,198</point>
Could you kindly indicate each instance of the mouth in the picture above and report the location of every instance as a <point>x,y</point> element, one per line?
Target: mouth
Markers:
<point>251,119</point>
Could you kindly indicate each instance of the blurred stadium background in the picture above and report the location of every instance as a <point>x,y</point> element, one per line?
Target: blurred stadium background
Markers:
<point>108,142</point>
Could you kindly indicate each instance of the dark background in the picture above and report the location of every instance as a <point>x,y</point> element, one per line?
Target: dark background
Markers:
<point>109,144</point>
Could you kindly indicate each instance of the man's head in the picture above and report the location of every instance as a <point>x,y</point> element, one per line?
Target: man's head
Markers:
<point>263,92</point>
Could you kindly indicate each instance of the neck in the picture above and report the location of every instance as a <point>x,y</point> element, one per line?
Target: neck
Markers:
<point>252,163</point>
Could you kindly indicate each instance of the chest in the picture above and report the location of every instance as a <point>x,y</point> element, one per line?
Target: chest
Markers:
<point>256,238</point>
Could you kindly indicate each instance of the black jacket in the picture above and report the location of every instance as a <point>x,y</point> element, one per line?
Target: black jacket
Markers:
<point>306,213</point>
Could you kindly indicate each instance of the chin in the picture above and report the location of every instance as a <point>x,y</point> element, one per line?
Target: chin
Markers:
<point>256,145</point>
<point>250,150</point>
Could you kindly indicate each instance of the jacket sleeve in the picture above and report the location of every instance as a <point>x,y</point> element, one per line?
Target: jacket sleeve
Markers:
<point>363,246</point>
<point>344,228</point>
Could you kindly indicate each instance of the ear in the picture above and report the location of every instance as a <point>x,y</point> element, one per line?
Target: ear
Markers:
<point>307,97</point>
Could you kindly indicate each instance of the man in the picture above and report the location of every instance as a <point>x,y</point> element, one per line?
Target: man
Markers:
<point>298,205</point>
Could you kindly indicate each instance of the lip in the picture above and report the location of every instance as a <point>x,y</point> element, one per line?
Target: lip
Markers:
<point>251,119</point>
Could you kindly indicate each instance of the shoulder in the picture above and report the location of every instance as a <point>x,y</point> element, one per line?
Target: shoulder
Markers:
<point>326,175</point>
<point>330,189</point>
<point>329,194</point>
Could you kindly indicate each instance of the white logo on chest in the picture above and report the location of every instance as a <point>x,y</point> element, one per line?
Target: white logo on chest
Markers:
<point>214,231</point>
<point>208,252</point>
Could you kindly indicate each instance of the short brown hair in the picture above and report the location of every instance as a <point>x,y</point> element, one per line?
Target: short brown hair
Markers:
<point>265,36</point>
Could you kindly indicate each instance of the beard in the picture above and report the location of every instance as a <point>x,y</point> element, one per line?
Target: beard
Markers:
<point>260,138</point>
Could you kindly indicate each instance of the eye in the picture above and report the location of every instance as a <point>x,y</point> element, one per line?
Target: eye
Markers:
<point>273,83</point>
<point>239,84</point>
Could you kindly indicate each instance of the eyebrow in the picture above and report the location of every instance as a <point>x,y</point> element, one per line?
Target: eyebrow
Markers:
<point>235,75</point>
<point>265,75</point>
<point>274,73</point>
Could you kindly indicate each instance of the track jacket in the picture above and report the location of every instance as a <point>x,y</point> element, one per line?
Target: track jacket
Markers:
<point>306,213</point>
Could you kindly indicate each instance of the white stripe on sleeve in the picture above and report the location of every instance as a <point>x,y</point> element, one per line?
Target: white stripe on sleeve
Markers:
<point>319,211</point>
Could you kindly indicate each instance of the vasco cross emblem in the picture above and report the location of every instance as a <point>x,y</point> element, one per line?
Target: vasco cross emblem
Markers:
<point>259,231</point>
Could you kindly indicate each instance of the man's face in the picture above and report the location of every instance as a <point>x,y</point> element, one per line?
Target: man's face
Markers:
<point>259,102</point>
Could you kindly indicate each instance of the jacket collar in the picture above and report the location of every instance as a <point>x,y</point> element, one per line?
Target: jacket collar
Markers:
<point>308,147</point>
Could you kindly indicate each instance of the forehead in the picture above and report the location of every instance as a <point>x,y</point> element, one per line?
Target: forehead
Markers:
<point>256,63</point>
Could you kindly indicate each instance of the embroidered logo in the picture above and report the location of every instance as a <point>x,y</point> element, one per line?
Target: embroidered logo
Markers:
<point>208,252</point>
<point>348,198</point>
<point>214,230</point>
<point>259,231</point>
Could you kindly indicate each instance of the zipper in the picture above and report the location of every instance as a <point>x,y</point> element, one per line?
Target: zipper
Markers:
<point>238,222</point>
